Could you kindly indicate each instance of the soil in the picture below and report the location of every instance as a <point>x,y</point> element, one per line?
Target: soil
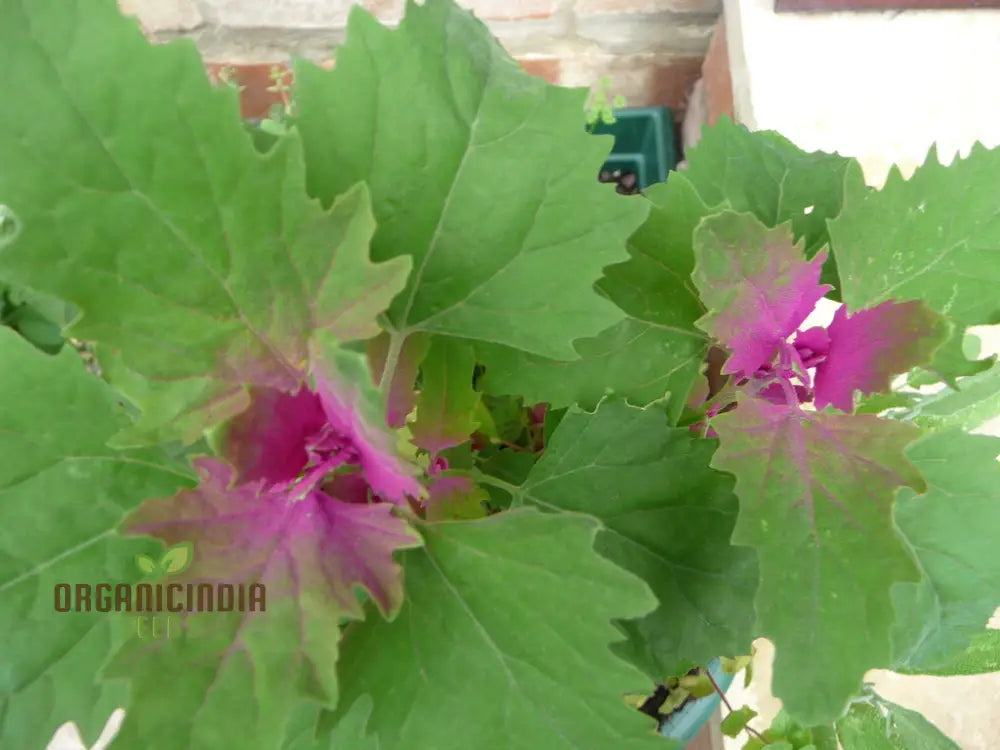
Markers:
<point>626,182</point>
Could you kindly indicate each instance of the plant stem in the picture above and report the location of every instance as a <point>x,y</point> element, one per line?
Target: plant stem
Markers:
<point>396,340</point>
<point>512,489</point>
<point>749,730</point>
<point>722,399</point>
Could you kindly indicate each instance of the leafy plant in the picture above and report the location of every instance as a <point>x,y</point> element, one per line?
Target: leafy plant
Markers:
<point>416,374</point>
<point>600,108</point>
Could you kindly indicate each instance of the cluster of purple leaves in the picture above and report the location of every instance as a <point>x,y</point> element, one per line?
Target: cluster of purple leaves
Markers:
<point>771,359</point>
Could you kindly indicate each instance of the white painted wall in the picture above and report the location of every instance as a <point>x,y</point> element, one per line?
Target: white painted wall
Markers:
<point>881,87</point>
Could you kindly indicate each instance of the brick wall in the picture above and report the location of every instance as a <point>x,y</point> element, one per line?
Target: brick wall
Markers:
<point>651,49</point>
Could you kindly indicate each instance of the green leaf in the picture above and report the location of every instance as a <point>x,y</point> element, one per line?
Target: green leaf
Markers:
<point>455,498</point>
<point>218,693</point>
<point>698,685</point>
<point>401,397</point>
<point>736,720</point>
<point>39,318</point>
<point>177,558</point>
<point>881,725</point>
<point>879,402</point>
<point>668,518</point>
<point>764,173</point>
<point>62,495</point>
<point>58,312</point>
<point>510,418</point>
<point>736,665</point>
<point>632,359</point>
<point>913,240</point>
<point>952,531</point>
<point>491,242</point>
<point>349,732</point>
<point>553,418</point>
<point>982,657</point>
<point>519,667</point>
<point>816,492</point>
<point>824,738</point>
<point>301,731</point>
<point>201,261</point>
<point>973,402</point>
<point>38,329</point>
<point>509,466</point>
<point>447,403</point>
<point>656,351</point>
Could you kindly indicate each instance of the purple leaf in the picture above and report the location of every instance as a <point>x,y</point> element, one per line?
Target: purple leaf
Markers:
<point>387,475</point>
<point>776,394</point>
<point>757,286</point>
<point>282,435</point>
<point>268,441</point>
<point>816,493</point>
<point>812,342</point>
<point>867,348</point>
<point>315,546</point>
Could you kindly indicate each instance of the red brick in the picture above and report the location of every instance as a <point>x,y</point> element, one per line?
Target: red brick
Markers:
<point>255,78</point>
<point>647,79</point>
<point>510,10</point>
<point>670,84</point>
<point>548,68</point>
<point>390,11</point>
<point>717,76</point>
<point>594,7</point>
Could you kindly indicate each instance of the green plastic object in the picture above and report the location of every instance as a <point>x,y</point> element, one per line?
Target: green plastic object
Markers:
<point>644,143</point>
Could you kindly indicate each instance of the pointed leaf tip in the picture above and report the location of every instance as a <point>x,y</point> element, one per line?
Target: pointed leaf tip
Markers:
<point>489,266</point>
<point>245,266</point>
<point>756,284</point>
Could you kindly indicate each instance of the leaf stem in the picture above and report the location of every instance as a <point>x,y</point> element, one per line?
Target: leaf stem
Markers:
<point>396,340</point>
<point>749,730</point>
<point>723,398</point>
<point>512,489</point>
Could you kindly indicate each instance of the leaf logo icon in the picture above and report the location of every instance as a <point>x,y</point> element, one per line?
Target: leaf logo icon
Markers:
<point>145,563</point>
<point>175,560</point>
